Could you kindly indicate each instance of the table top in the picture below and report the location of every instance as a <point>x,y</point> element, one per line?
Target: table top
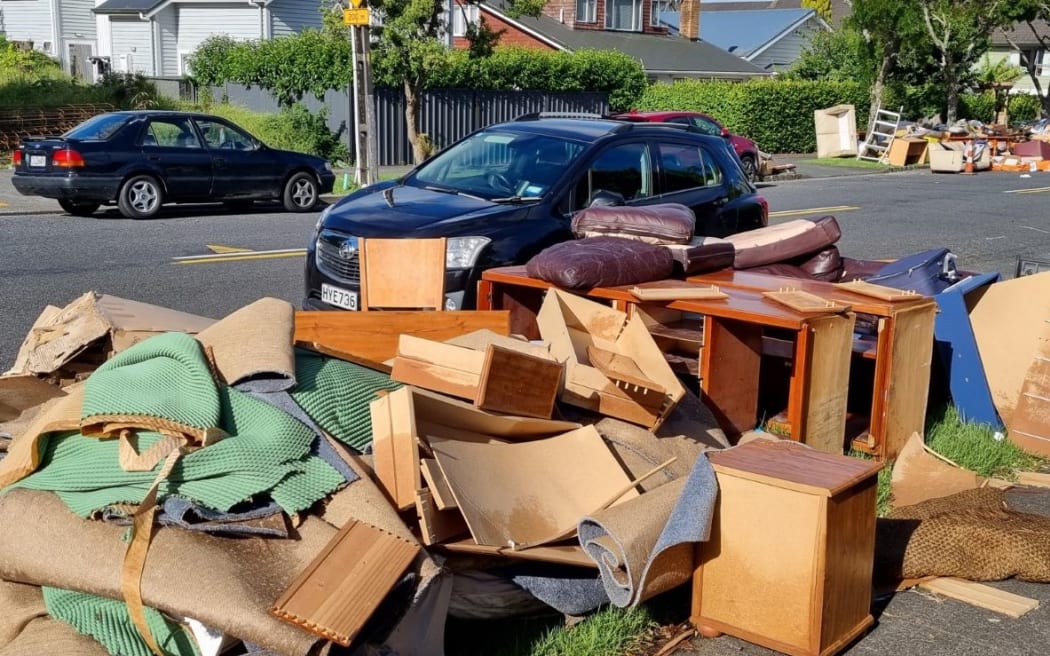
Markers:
<point>731,278</point>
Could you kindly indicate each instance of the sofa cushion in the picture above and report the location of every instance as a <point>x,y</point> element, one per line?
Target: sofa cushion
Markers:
<point>823,265</point>
<point>784,241</point>
<point>667,223</point>
<point>600,262</point>
<point>701,255</point>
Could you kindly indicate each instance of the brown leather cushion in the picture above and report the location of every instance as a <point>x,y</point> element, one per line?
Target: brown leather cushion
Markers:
<point>859,269</point>
<point>825,265</point>
<point>784,241</point>
<point>666,223</point>
<point>600,262</point>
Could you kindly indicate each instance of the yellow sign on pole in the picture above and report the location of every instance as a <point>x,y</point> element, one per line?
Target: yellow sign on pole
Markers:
<point>355,17</point>
<point>356,4</point>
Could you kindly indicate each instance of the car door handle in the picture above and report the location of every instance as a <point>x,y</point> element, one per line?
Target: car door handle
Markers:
<point>718,202</point>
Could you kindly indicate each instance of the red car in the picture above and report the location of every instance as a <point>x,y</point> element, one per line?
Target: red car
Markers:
<point>746,149</point>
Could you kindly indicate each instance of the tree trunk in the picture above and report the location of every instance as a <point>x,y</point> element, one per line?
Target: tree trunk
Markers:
<point>879,87</point>
<point>412,93</point>
<point>951,80</point>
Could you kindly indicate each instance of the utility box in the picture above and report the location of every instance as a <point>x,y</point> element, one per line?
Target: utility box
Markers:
<point>836,131</point>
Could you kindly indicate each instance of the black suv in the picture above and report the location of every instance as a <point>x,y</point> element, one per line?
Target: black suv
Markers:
<point>504,193</point>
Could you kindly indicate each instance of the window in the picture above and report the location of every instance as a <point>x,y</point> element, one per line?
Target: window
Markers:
<point>625,169</point>
<point>184,63</point>
<point>1040,63</point>
<point>220,135</point>
<point>687,167</point>
<point>170,133</point>
<point>661,8</point>
<point>707,127</point>
<point>99,128</point>
<point>462,16</point>
<point>586,11</point>
<point>623,15</point>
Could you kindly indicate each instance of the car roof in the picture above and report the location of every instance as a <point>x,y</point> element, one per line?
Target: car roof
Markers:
<point>165,112</point>
<point>587,130</point>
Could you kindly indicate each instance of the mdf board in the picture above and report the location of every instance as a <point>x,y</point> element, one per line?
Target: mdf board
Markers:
<point>830,340</point>
<point>789,562</point>
<point>905,377</point>
<point>402,273</point>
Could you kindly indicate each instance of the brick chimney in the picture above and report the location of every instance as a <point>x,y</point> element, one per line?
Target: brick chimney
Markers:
<point>689,19</point>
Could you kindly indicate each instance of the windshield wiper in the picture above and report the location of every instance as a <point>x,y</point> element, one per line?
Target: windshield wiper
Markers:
<point>454,192</point>
<point>516,199</point>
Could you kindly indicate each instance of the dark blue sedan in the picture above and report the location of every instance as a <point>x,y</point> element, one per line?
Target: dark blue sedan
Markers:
<point>141,160</point>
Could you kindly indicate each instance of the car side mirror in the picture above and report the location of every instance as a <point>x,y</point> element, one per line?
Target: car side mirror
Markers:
<point>606,198</point>
<point>726,133</point>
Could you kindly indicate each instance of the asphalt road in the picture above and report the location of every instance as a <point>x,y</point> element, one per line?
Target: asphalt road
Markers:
<point>989,220</point>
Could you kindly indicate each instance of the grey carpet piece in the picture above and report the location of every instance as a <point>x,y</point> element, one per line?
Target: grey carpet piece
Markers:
<point>181,512</point>
<point>321,448</point>
<point>572,591</point>
<point>641,549</point>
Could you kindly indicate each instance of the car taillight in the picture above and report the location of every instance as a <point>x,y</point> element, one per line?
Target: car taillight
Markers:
<point>16,157</point>
<point>765,209</point>
<point>67,159</point>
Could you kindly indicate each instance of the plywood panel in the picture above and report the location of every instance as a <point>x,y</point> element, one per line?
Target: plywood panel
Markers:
<point>849,551</point>
<point>517,383</point>
<point>729,368</point>
<point>1030,424</point>
<point>395,451</point>
<point>908,377</point>
<point>827,382</point>
<point>403,273</point>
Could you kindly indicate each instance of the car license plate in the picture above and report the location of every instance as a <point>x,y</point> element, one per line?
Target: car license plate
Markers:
<point>38,160</point>
<point>339,297</point>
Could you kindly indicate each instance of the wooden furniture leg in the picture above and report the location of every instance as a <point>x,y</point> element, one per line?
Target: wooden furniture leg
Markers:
<point>729,372</point>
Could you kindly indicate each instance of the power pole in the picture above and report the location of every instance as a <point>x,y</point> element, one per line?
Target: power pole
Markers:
<point>365,156</point>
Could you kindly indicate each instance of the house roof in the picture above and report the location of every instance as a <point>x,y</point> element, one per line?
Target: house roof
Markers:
<point>743,33</point>
<point>1022,35</point>
<point>840,9</point>
<point>658,53</point>
<point>126,6</point>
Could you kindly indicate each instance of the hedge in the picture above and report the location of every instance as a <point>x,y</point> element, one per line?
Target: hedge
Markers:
<point>981,107</point>
<point>777,114</point>
<point>292,128</point>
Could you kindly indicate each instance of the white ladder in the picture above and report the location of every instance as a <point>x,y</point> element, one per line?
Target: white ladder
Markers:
<point>877,142</point>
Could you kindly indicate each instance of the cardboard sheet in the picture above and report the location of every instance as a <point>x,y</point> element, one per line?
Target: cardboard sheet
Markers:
<point>20,393</point>
<point>919,476</point>
<point>59,335</point>
<point>530,493</point>
<point>1009,323</point>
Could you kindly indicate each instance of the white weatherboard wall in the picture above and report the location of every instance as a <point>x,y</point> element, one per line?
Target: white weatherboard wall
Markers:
<point>788,49</point>
<point>132,38</point>
<point>293,16</point>
<point>198,22</point>
<point>78,21</point>
<point>167,21</point>
<point>29,20</point>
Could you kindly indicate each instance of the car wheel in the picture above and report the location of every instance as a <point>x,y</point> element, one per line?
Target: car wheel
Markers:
<point>78,208</point>
<point>300,193</point>
<point>140,197</point>
<point>750,167</point>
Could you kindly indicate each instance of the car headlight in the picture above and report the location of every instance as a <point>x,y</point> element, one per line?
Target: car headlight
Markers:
<point>324,215</point>
<point>328,166</point>
<point>462,252</point>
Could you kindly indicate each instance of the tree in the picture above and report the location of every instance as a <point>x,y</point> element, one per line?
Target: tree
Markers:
<point>408,47</point>
<point>822,7</point>
<point>886,26</point>
<point>959,31</point>
<point>1027,13</point>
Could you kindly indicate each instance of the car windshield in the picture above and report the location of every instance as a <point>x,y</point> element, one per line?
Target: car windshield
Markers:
<point>99,128</point>
<point>500,165</point>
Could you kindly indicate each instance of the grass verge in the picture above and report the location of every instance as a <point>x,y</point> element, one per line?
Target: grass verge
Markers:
<point>976,447</point>
<point>849,163</point>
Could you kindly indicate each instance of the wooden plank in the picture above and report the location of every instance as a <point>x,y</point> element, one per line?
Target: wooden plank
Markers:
<point>518,383</point>
<point>710,292</point>
<point>402,273</point>
<point>436,525</point>
<point>560,554</point>
<point>373,336</point>
<point>437,484</point>
<point>341,588</point>
<point>438,367</point>
<point>879,291</point>
<point>801,301</point>
<point>394,447</point>
<point>346,357</point>
<point>980,595</point>
<point>729,373</point>
<point>1033,479</point>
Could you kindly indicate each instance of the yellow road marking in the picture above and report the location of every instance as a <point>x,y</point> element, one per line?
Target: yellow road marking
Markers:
<point>216,248</point>
<point>236,257</point>
<point>2,204</point>
<point>1035,190</point>
<point>813,210</point>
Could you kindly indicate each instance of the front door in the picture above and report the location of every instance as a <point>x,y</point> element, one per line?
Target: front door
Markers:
<point>243,167</point>
<point>171,146</point>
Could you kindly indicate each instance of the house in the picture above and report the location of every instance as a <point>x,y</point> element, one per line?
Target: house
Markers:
<point>64,29</point>
<point>630,26</point>
<point>1033,41</point>
<point>157,37</point>
<point>772,39</point>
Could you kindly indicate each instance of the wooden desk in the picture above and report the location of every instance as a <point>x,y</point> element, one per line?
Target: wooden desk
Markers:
<point>732,349</point>
<point>903,351</point>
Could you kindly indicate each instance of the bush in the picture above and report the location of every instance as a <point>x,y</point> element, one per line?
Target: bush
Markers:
<point>293,128</point>
<point>1024,107</point>
<point>777,114</point>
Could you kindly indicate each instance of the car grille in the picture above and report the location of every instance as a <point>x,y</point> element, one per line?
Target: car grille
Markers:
<point>343,269</point>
